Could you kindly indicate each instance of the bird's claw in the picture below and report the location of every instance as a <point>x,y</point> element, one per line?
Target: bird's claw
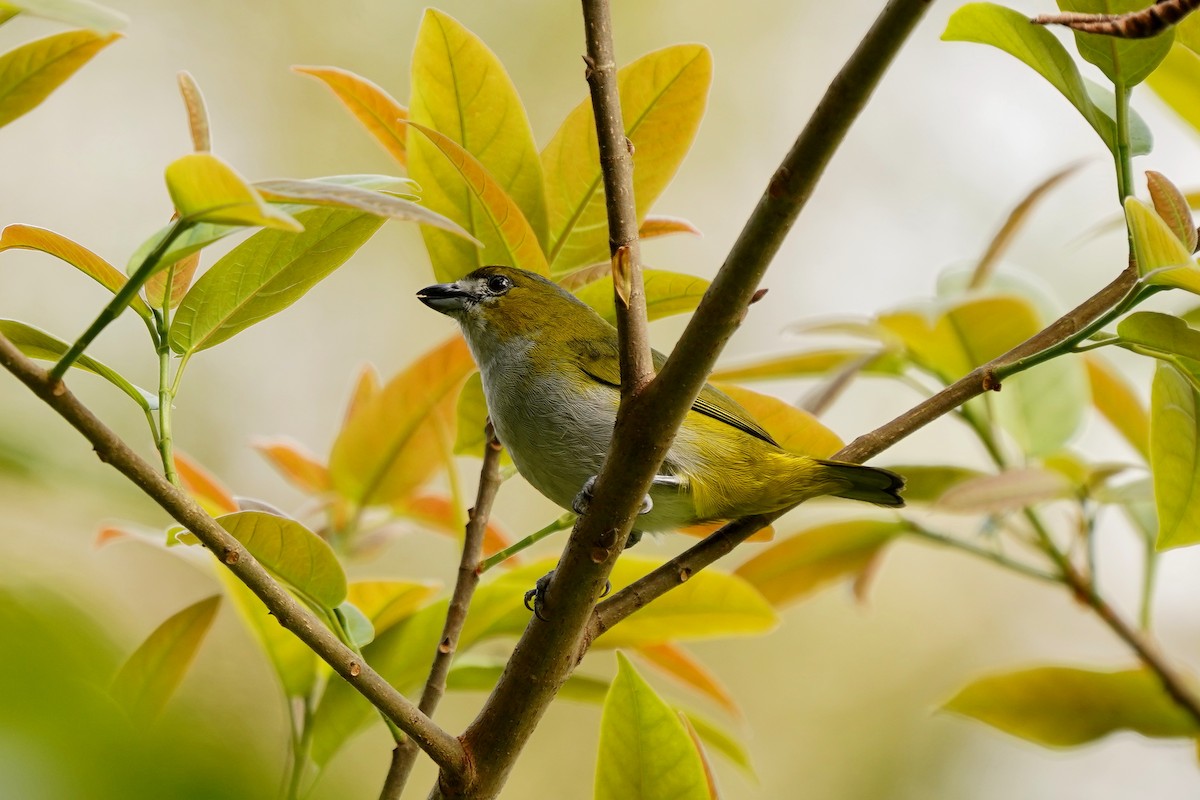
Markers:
<point>584,499</point>
<point>535,598</point>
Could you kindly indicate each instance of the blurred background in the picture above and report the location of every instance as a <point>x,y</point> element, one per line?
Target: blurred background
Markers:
<point>840,702</point>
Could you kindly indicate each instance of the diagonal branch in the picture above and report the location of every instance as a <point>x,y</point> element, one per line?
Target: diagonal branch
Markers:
<point>441,746</point>
<point>1142,24</point>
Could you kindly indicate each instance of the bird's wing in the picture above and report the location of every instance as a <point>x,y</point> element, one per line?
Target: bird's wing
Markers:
<point>598,358</point>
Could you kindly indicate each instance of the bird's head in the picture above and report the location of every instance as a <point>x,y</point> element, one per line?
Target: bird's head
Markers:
<point>501,303</point>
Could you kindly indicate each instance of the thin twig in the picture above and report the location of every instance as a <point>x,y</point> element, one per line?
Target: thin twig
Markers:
<point>1135,25</point>
<point>441,746</point>
<point>404,755</point>
<point>547,652</point>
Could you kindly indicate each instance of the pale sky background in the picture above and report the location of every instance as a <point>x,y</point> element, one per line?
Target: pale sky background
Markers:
<point>839,703</point>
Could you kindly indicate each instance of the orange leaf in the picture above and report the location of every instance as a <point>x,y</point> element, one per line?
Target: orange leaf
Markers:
<point>685,668</point>
<point>203,485</point>
<point>109,534</point>
<point>367,387</point>
<point>296,464</point>
<point>377,110</point>
<point>438,514</point>
<point>653,226</point>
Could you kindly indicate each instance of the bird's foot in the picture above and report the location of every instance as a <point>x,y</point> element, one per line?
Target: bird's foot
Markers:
<point>584,499</point>
<point>535,598</point>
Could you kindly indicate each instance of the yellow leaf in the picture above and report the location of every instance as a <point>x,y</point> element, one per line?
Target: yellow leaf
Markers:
<point>816,362</point>
<point>461,92</point>
<point>663,96</point>
<point>295,463</point>
<point>798,566</point>
<point>377,110</point>
<point>795,429</point>
<point>29,73</point>
<point>295,665</point>
<point>1174,456</point>
<point>1162,259</point>
<point>27,237</point>
<point>367,386</point>
<point>1117,401</point>
<point>386,603</point>
<point>666,292</point>
<point>206,189</point>
<point>391,444</point>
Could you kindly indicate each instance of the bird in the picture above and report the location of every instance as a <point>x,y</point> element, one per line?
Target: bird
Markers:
<point>551,378</point>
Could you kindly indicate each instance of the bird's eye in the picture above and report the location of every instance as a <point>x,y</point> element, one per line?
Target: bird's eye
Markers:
<point>498,284</point>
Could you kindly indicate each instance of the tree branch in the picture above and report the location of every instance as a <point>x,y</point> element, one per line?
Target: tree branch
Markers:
<point>404,755</point>
<point>647,420</point>
<point>441,746</point>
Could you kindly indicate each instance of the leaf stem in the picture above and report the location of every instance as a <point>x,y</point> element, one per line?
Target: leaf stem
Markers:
<point>945,540</point>
<point>120,300</point>
<point>1123,152</point>
<point>560,524</point>
<point>166,393</point>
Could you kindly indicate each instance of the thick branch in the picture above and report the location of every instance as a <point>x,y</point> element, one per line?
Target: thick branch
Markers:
<point>441,746</point>
<point>405,754</point>
<point>647,420</point>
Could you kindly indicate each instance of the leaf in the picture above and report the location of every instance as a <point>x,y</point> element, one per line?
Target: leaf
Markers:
<point>654,226</point>
<point>924,483</point>
<point>356,198</point>
<point>181,274</point>
<point>1043,407</point>
<point>793,428</point>
<point>292,552</point>
<point>1159,333</point>
<point>197,112</point>
<point>673,660</point>
<point>1172,206</point>
<point>36,343</point>
<point>667,293</point>
<point>1010,31</point>
<point>355,623</point>
<point>1174,458</point>
<point>800,565</point>
<point>265,274</point>
<point>377,110</point>
<point>1122,60</point>
<point>302,469</point>
<point>27,237</point>
<point>814,362</point>
<point>487,175</point>
<point>295,665</point>
<point>1064,707</point>
<point>1011,490</point>
<point>1161,257</point>
<point>439,515</point>
<point>366,388</point>
<point>476,675</point>
<point>1117,402</point>
<point>710,778</point>
<point>388,602</point>
<point>206,189</point>
<point>80,13</point>
<point>214,498</point>
<point>152,674</point>
<point>663,96</point>
<point>484,209</point>
<point>721,740</point>
<point>709,604</point>
<point>1177,83</point>
<point>1141,139</point>
<point>391,445</point>
<point>29,73</point>
<point>645,753</point>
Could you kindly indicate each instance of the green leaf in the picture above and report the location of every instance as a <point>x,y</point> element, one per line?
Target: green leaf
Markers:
<point>27,237</point>
<point>1125,61</point>
<point>80,13</point>
<point>377,110</point>
<point>1064,707</point>
<point>1160,333</point>
<point>1162,258</point>
<point>645,751</point>
<point>487,211</point>
<point>663,96</point>
<point>355,198</point>
<point>710,604</point>
<point>924,483</point>
<point>32,71</point>
<point>471,674</point>
<point>802,564</point>
<point>295,664</point>
<point>356,624</point>
<point>1141,138</point>
<point>155,670</point>
<point>461,91</point>
<point>1174,458</point>
<point>1043,408</point>
<point>1007,491</point>
<point>1117,402</point>
<point>293,553</point>
<point>667,293</point>
<point>206,189</point>
<point>1177,83</point>
<point>36,343</point>
<point>390,445</point>
<point>265,274</point>
<point>1011,31</point>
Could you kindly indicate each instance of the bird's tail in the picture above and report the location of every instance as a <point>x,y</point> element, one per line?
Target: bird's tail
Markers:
<point>870,484</point>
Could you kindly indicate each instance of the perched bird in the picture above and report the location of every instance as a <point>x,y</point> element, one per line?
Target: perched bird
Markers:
<point>551,377</point>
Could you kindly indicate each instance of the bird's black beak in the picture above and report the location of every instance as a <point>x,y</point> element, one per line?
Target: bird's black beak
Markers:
<point>447,298</point>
